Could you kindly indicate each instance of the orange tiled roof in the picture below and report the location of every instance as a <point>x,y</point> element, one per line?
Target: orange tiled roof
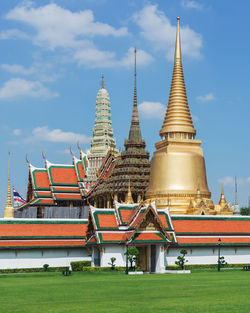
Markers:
<point>62,196</point>
<point>146,236</point>
<point>112,237</point>
<point>107,221</point>
<point>126,214</point>
<point>213,240</point>
<point>49,229</point>
<point>62,175</point>
<point>41,179</point>
<point>211,226</point>
<point>40,243</point>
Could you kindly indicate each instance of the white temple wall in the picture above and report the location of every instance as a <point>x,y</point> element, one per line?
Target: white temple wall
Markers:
<point>160,264</point>
<point>113,251</point>
<point>209,255</point>
<point>38,257</point>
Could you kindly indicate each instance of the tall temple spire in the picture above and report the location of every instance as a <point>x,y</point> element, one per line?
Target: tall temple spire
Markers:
<point>102,81</point>
<point>236,193</point>
<point>8,210</point>
<point>135,131</point>
<point>178,118</point>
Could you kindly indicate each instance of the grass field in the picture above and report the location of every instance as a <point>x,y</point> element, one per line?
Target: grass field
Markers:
<point>200,291</point>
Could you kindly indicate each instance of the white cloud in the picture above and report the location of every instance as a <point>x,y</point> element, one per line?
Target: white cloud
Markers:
<point>17,69</point>
<point>59,27</point>
<point>93,58</point>
<point>156,28</point>
<point>56,27</point>
<point>17,132</point>
<point>42,72</point>
<point>13,34</point>
<point>18,87</point>
<point>152,110</point>
<point>227,181</point>
<point>142,58</point>
<point>56,135</point>
<point>230,180</point>
<point>191,4</point>
<point>208,97</point>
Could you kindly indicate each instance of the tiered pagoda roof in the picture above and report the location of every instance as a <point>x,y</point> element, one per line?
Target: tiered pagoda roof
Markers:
<point>57,182</point>
<point>132,167</point>
<point>134,224</point>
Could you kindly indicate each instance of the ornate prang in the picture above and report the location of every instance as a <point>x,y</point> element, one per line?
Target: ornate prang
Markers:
<point>133,162</point>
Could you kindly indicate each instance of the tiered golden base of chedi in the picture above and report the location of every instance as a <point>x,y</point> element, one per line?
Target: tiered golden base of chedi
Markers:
<point>178,173</point>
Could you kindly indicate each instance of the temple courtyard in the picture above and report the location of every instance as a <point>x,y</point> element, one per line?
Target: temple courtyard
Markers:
<point>200,291</point>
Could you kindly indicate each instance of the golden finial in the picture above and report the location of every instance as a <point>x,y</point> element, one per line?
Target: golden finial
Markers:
<point>70,151</point>
<point>80,150</point>
<point>178,118</point>
<point>43,155</point>
<point>8,210</point>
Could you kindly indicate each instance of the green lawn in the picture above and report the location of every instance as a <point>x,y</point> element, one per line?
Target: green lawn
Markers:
<point>201,291</point>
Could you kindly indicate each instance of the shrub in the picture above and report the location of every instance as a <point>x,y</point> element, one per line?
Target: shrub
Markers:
<point>181,261</point>
<point>205,266</point>
<point>105,269</point>
<point>132,256</point>
<point>77,266</point>
<point>112,263</point>
<point>244,211</point>
<point>45,267</point>
<point>32,270</point>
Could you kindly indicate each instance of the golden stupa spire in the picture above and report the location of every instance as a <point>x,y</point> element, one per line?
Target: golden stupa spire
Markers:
<point>129,195</point>
<point>223,201</point>
<point>178,118</point>
<point>9,210</point>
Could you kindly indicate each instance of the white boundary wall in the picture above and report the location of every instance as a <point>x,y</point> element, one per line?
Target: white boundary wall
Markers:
<point>209,255</point>
<point>27,258</point>
<point>113,251</point>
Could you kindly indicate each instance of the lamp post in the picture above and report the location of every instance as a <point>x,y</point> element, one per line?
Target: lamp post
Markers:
<point>126,272</point>
<point>219,242</point>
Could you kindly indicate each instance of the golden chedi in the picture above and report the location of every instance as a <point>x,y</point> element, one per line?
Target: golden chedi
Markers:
<point>178,173</point>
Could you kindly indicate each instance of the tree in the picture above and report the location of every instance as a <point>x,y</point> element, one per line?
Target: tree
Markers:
<point>181,259</point>
<point>244,211</point>
<point>112,263</point>
<point>132,254</point>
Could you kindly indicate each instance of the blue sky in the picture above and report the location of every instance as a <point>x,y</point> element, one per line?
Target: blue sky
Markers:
<point>53,54</point>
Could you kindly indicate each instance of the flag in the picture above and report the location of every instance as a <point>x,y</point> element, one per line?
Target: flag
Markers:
<point>18,200</point>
